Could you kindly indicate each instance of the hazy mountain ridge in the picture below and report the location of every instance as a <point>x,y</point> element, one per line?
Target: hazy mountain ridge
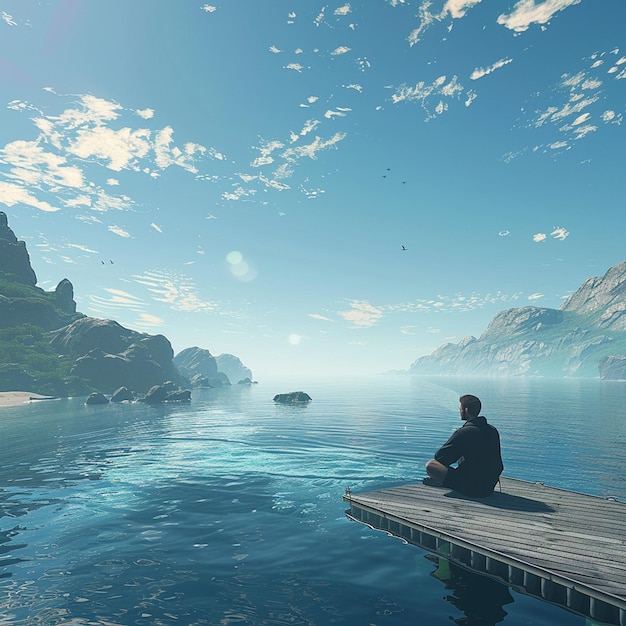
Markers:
<point>46,346</point>
<point>585,337</point>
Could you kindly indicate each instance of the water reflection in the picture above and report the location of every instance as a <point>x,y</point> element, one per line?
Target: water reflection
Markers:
<point>480,599</point>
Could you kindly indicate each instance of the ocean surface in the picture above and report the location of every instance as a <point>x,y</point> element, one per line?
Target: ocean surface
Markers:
<point>228,509</point>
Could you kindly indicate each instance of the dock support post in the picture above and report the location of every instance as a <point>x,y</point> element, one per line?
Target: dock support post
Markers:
<point>516,576</point>
<point>532,584</point>
<point>479,561</point>
<point>578,602</point>
<point>497,568</point>
<point>602,611</point>
<point>553,592</point>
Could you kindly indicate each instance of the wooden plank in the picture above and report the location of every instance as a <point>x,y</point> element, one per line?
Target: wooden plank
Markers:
<point>577,539</point>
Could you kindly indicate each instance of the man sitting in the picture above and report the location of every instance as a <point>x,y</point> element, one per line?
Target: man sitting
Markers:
<point>475,447</point>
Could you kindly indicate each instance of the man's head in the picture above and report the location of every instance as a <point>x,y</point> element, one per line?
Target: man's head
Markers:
<point>469,407</point>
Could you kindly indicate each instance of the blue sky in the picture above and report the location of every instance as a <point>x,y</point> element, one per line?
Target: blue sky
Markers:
<point>242,176</point>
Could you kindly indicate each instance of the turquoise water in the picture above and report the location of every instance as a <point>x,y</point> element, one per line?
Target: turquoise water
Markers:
<point>228,510</point>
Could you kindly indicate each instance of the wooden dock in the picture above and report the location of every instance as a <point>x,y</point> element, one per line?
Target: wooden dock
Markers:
<point>564,547</point>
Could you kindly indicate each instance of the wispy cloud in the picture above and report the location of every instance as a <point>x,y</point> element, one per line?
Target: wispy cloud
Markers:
<point>559,233</point>
<point>50,172</point>
<point>174,290</point>
<point>527,12</point>
<point>578,105</point>
<point>458,302</point>
<point>120,304</point>
<point>11,194</point>
<point>458,8</point>
<point>432,96</point>
<point>317,316</point>
<point>120,232</point>
<point>148,321</point>
<point>362,314</point>
<point>82,248</point>
<point>454,9</point>
<point>480,72</point>
<point>8,18</point>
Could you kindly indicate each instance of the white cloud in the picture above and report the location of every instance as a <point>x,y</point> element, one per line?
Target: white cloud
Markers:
<point>77,201</point>
<point>581,118</point>
<point>82,248</point>
<point>424,93</point>
<point>119,147</point>
<point>559,233</point>
<point>54,164</point>
<point>535,296</point>
<point>146,114</point>
<point>275,50</point>
<point>539,237</point>
<point>294,66</point>
<point>266,150</point>
<point>209,8</point>
<point>458,8</point>
<point>457,303</point>
<point>480,72</point>
<point>330,114</point>
<point>11,194</point>
<point>8,18</point>
<point>310,150</point>
<point>117,230</point>
<point>344,10</point>
<point>317,316</point>
<point>527,12</point>
<point>340,50</point>
<point>156,227</point>
<point>362,314</point>
<point>455,9</point>
<point>33,166</point>
<point>176,290</point>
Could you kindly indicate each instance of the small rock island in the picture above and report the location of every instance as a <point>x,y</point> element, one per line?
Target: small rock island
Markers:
<point>292,397</point>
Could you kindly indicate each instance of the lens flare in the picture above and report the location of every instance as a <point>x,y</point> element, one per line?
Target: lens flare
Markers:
<point>240,269</point>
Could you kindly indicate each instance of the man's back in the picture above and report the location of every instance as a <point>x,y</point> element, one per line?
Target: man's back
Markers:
<point>476,447</point>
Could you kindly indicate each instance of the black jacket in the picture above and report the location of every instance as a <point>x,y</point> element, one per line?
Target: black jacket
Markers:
<point>476,448</point>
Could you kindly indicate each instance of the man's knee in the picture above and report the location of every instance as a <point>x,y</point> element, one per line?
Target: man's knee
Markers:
<point>436,470</point>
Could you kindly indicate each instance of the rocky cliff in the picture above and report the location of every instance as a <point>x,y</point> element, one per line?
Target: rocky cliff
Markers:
<point>14,258</point>
<point>198,364</point>
<point>46,346</point>
<point>585,337</point>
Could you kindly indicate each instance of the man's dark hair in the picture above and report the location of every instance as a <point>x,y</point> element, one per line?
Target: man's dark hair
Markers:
<point>472,404</point>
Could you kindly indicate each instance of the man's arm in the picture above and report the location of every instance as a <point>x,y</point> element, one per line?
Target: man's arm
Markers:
<point>451,451</point>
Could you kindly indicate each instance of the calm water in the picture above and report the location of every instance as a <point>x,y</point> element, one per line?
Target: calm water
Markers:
<point>229,510</point>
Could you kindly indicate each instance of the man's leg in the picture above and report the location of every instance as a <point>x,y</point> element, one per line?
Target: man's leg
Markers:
<point>436,471</point>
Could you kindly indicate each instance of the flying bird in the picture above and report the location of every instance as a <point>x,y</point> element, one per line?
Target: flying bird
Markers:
<point>403,247</point>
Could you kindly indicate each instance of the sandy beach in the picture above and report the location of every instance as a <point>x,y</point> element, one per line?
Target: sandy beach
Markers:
<point>13,398</point>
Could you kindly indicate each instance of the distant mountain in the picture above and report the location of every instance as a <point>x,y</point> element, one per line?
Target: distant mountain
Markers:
<point>585,337</point>
<point>47,347</point>
<point>198,364</point>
